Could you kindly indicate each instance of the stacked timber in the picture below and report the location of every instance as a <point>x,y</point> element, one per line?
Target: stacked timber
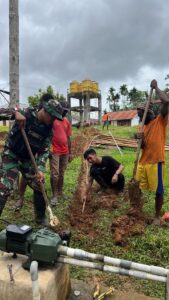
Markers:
<point>107,141</point>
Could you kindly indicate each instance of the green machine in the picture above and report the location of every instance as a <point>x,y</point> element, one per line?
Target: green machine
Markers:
<point>41,245</point>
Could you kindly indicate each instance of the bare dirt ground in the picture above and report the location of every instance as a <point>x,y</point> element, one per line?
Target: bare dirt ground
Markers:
<point>86,291</point>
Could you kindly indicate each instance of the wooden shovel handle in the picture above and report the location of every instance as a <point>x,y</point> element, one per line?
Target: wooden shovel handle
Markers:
<point>42,188</point>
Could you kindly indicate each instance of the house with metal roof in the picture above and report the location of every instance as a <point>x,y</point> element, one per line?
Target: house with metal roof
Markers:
<point>124,118</point>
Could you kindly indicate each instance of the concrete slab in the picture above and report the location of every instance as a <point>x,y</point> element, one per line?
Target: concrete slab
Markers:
<point>54,282</point>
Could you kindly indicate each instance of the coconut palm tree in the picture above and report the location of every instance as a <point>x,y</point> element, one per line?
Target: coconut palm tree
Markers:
<point>124,92</point>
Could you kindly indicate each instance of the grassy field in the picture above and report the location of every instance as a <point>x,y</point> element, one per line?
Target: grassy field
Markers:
<point>150,248</point>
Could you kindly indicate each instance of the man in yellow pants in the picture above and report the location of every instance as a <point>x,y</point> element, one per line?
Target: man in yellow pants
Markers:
<point>150,171</point>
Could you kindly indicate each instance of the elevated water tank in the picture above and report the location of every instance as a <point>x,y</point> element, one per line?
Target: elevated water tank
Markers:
<point>74,87</point>
<point>95,87</point>
<point>86,85</point>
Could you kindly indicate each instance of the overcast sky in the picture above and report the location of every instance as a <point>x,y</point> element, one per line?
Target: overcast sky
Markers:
<point>109,41</point>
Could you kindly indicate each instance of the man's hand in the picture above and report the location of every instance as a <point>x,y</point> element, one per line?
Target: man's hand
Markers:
<point>153,84</point>
<point>40,176</point>
<point>114,178</point>
<point>20,119</point>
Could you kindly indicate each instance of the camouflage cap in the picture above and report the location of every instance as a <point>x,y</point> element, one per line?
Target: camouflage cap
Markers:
<point>54,108</point>
<point>65,105</point>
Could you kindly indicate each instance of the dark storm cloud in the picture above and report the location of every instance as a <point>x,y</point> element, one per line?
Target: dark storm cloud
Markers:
<point>99,39</point>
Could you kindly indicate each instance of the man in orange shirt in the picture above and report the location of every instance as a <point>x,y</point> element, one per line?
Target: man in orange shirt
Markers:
<point>150,171</point>
<point>105,119</point>
<point>60,154</point>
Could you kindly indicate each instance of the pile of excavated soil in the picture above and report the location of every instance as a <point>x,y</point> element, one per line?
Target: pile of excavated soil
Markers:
<point>82,140</point>
<point>132,223</point>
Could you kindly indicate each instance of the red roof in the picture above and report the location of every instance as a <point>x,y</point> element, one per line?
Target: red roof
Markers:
<point>122,115</point>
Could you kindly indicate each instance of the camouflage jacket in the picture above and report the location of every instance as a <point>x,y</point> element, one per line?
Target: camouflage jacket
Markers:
<point>39,136</point>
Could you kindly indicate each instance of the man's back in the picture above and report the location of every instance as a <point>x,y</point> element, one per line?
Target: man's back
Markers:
<point>61,132</point>
<point>154,141</point>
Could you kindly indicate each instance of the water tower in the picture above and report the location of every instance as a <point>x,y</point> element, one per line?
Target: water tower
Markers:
<point>84,92</point>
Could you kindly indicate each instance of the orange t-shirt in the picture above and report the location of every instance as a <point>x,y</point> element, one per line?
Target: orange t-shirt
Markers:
<point>154,141</point>
<point>105,117</point>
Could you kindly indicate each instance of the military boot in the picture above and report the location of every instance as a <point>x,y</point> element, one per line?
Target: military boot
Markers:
<point>40,208</point>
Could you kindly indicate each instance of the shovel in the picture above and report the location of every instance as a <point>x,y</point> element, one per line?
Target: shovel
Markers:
<point>54,222</point>
<point>134,191</point>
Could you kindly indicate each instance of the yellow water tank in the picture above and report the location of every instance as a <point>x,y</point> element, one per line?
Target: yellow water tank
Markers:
<point>80,87</point>
<point>74,87</point>
<point>86,85</point>
<point>95,86</point>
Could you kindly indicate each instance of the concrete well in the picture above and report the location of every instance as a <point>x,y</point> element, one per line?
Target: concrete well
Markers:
<point>54,282</point>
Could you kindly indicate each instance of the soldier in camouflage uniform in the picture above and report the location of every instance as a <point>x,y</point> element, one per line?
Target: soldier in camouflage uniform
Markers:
<point>15,157</point>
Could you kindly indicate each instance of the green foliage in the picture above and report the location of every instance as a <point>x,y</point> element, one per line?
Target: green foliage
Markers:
<point>125,99</point>
<point>34,100</point>
<point>135,97</point>
<point>124,93</point>
<point>113,99</point>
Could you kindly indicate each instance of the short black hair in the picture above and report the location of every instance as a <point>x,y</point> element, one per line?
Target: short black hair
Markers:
<point>88,152</point>
<point>45,98</point>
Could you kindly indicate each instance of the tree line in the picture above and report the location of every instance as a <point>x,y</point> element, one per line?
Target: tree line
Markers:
<point>34,100</point>
<point>126,99</point>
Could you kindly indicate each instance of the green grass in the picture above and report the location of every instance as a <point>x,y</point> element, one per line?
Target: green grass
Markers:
<point>4,128</point>
<point>150,248</point>
<point>120,131</point>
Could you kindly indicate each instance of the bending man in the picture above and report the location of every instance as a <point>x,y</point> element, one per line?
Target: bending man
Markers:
<point>105,170</point>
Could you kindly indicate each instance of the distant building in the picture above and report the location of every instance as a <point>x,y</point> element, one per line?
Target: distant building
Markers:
<point>4,123</point>
<point>124,118</point>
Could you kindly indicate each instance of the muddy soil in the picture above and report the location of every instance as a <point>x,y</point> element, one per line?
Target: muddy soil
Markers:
<point>84,217</point>
<point>84,137</point>
<point>132,223</point>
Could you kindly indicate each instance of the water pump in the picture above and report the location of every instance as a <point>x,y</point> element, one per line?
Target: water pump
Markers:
<point>41,245</point>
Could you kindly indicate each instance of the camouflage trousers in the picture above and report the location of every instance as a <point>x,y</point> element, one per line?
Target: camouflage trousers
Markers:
<point>9,170</point>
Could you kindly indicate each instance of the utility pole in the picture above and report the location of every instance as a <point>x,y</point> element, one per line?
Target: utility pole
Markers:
<point>13,52</point>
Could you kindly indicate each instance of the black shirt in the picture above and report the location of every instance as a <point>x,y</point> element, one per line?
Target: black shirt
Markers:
<point>106,169</point>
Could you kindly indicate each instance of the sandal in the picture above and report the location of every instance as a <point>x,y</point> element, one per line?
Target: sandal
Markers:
<point>17,206</point>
